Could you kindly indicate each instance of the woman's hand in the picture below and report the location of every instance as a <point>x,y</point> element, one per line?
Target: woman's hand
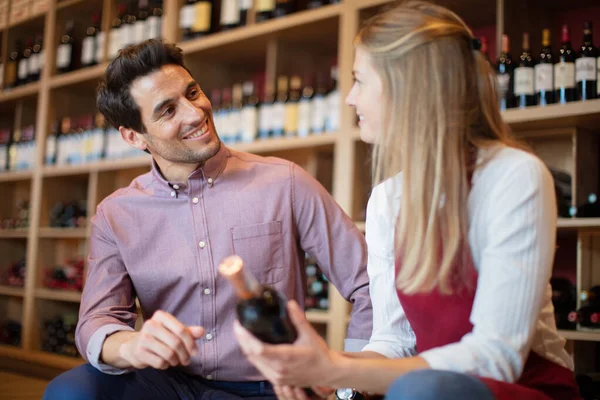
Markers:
<point>305,363</point>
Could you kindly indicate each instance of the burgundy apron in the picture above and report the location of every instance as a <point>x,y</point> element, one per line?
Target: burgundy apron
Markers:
<point>438,320</point>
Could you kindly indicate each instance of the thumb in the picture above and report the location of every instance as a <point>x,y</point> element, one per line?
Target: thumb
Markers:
<point>297,316</point>
<point>196,331</point>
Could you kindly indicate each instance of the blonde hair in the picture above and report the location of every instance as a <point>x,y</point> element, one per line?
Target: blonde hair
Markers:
<point>441,107</point>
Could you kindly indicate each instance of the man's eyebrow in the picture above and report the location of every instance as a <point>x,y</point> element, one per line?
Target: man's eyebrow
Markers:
<point>163,103</point>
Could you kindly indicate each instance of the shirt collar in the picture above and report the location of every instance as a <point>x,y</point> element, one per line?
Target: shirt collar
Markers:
<point>209,171</point>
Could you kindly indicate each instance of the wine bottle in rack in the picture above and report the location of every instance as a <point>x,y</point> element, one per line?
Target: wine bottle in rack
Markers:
<point>544,72</point>
<point>203,18</point>
<point>36,59</point>
<point>563,300</point>
<point>260,309</point>
<point>504,76</point>
<point>524,76</point>
<point>590,296</point>
<point>225,111</point>
<point>284,7</point>
<point>51,144</point>
<point>187,16</point>
<point>278,112</point>
<point>235,116</point>
<point>249,113</point>
<point>586,71</point>
<point>65,52</point>
<point>304,106</point>
<point>230,14</point>
<point>587,316</point>
<point>155,20</point>
<point>115,39</point>
<point>291,107</point>
<point>23,66</point>
<point>88,45</point>
<point>318,110</point>
<point>265,113</point>
<point>264,10</point>
<point>245,6</point>
<point>564,70</point>
<point>332,123</point>
<point>140,28</point>
<point>128,26</point>
<point>10,80</point>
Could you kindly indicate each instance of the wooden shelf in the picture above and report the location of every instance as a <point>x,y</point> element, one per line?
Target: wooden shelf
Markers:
<point>12,176</point>
<point>589,336</point>
<point>63,233</point>
<point>270,145</point>
<point>19,233</point>
<point>26,20</point>
<point>40,357</point>
<point>583,114</point>
<point>11,291</point>
<point>67,3</point>
<point>317,316</point>
<point>104,165</point>
<point>20,92</point>
<point>81,75</point>
<point>260,29</point>
<point>579,223</point>
<point>58,295</point>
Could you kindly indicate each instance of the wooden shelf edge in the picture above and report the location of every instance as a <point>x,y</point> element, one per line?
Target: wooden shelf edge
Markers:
<point>20,92</point>
<point>552,112</point>
<point>318,317</point>
<point>259,29</point>
<point>40,357</point>
<point>579,223</point>
<point>26,20</point>
<point>12,176</point>
<point>78,76</point>
<point>58,295</point>
<point>20,233</point>
<point>11,291</point>
<point>67,3</point>
<point>104,165</point>
<point>63,233</point>
<point>590,336</point>
<point>285,143</point>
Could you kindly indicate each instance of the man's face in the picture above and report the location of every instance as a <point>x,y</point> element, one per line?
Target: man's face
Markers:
<point>177,116</point>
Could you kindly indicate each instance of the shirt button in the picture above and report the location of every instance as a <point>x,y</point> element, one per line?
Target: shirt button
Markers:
<point>209,336</point>
<point>209,377</point>
<point>175,187</point>
<point>172,194</point>
<point>195,200</point>
<point>202,245</point>
<point>207,291</point>
<point>210,181</point>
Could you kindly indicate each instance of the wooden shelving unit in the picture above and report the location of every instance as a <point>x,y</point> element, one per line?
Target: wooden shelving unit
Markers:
<point>332,27</point>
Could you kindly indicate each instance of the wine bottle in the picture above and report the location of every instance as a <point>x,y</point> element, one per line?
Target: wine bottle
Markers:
<point>264,10</point>
<point>544,72</point>
<point>230,14</point>
<point>504,76</point>
<point>141,23</point>
<point>564,70</point>
<point>318,110</point>
<point>235,116</point>
<point>260,309</point>
<point>586,72</point>
<point>187,16</point>
<point>278,114</point>
<point>128,26</point>
<point>226,133</point>
<point>332,122</point>
<point>587,316</point>
<point>155,20</point>
<point>524,77</point>
<point>265,113</point>
<point>591,296</point>
<point>115,40</point>
<point>23,66</point>
<point>304,107</point>
<point>11,67</point>
<point>203,18</point>
<point>249,113</point>
<point>591,209</point>
<point>284,7</point>
<point>88,45</point>
<point>36,59</point>
<point>245,6</point>
<point>64,55</point>
<point>291,107</point>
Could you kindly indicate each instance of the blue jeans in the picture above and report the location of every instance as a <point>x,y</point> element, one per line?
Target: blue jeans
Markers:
<point>86,382</point>
<point>429,384</point>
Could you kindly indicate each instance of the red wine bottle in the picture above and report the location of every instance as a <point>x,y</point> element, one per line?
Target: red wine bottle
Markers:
<point>591,296</point>
<point>524,77</point>
<point>585,66</point>
<point>586,316</point>
<point>544,72</point>
<point>564,70</point>
<point>260,309</point>
<point>504,76</point>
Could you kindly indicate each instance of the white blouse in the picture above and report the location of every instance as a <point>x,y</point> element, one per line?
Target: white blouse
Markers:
<point>512,233</point>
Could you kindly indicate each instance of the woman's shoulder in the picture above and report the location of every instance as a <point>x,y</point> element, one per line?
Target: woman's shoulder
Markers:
<point>386,194</point>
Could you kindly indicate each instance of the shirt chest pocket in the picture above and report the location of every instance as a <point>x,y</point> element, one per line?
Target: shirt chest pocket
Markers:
<point>261,248</point>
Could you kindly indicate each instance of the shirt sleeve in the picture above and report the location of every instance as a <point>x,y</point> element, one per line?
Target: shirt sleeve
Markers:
<point>514,271</point>
<point>108,298</point>
<point>392,335</point>
<point>329,235</point>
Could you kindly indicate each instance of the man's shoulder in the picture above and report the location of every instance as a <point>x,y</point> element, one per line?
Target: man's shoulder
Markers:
<point>138,186</point>
<point>255,159</point>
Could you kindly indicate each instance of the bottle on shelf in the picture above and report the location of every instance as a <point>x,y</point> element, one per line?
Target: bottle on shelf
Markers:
<point>203,18</point>
<point>290,126</point>
<point>36,59</point>
<point>226,111</point>
<point>332,123</point>
<point>52,144</point>
<point>312,4</point>
<point>587,316</point>
<point>564,70</point>
<point>245,6</point>
<point>235,115</point>
<point>304,107</point>
<point>89,43</point>
<point>249,113</point>
<point>265,113</point>
<point>264,10</point>
<point>278,111</point>
<point>215,102</point>
<point>590,296</point>
<point>586,70</point>
<point>154,22</point>
<point>115,39</point>
<point>140,27</point>
<point>563,300</point>
<point>98,138</point>
<point>128,25</point>
<point>230,14</point>
<point>187,17</point>
<point>11,67</point>
<point>284,7</point>
<point>66,52</point>
<point>544,72</point>
<point>318,110</point>
<point>260,309</point>
<point>5,135</point>
<point>504,76</point>
<point>590,209</point>
<point>23,66</point>
<point>524,77</point>
<point>317,293</point>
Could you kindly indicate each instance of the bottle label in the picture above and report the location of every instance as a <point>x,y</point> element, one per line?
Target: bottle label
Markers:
<point>249,123</point>
<point>318,113</point>
<point>203,14</point>
<point>265,113</point>
<point>524,83</point>
<point>114,42</point>
<point>140,31</point>
<point>63,56</point>
<point>265,5</point>
<point>291,119</point>
<point>187,16</point>
<point>245,4</point>
<point>304,117</point>
<point>100,39</point>
<point>87,50</point>
<point>585,69</point>
<point>34,64</point>
<point>230,12</point>
<point>564,75</point>
<point>23,70</point>
<point>543,77</point>
<point>278,118</point>
<point>153,27</point>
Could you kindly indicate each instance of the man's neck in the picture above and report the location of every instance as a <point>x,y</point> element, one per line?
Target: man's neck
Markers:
<point>175,172</point>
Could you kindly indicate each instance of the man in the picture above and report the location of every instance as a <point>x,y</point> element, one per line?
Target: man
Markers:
<point>161,240</point>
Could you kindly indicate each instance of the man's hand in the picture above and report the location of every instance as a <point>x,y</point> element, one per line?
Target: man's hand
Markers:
<point>163,342</point>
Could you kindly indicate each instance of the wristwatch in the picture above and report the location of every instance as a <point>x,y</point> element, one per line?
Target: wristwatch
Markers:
<point>349,394</point>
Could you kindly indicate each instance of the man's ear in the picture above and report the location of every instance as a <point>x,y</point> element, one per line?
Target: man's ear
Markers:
<point>133,138</point>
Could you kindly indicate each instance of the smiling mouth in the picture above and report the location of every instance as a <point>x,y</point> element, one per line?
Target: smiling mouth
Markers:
<point>201,130</point>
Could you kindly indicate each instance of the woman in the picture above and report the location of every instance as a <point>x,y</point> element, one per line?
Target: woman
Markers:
<point>473,242</point>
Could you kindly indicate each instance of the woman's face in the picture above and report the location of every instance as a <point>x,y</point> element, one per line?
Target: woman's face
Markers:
<point>366,96</point>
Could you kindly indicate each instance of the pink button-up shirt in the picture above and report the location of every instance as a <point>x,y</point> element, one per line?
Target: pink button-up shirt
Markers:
<point>162,242</point>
